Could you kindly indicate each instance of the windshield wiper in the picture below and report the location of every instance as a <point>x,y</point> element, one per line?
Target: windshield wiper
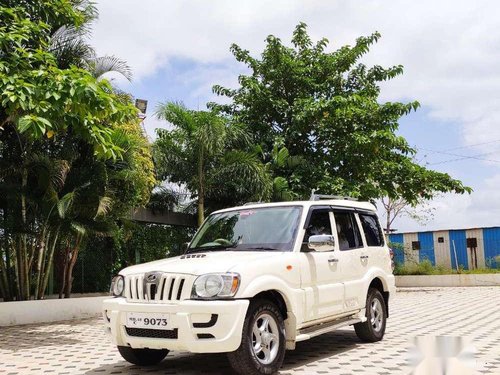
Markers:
<point>261,248</point>
<point>208,248</point>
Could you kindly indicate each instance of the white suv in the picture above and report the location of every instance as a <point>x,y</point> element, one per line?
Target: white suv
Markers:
<point>255,280</point>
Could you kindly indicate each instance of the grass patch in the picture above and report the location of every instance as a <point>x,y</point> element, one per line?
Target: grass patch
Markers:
<point>426,268</point>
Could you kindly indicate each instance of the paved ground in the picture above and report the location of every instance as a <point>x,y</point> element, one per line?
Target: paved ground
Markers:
<point>81,347</point>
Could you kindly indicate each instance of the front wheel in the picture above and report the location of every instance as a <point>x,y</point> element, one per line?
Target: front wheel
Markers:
<point>142,357</point>
<point>263,342</point>
<point>374,328</point>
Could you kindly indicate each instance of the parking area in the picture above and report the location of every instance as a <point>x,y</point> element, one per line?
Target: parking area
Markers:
<point>82,347</point>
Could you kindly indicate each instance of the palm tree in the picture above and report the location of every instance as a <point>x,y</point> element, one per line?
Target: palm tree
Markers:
<point>206,152</point>
<point>101,192</point>
<point>69,45</point>
<point>281,165</point>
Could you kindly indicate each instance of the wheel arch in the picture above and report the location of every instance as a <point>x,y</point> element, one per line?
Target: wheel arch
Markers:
<point>378,283</point>
<point>285,307</point>
<point>277,297</point>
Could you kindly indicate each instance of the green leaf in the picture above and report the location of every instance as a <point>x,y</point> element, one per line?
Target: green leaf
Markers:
<point>24,123</point>
<point>65,203</point>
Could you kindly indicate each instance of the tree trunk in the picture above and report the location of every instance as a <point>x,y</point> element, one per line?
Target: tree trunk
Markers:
<point>8,271</point>
<point>4,270</point>
<point>18,268</point>
<point>23,261</point>
<point>69,274</point>
<point>201,208</point>
<point>388,210</point>
<point>41,255</point>
<point>388,223</point>
<point>48,264</point>
<point>201,191</point>
<point>64,271</point>
<point>4,285</point>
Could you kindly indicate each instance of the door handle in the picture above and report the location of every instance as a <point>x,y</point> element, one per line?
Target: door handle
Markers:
<point>363,257</point>
<point>333,260</point>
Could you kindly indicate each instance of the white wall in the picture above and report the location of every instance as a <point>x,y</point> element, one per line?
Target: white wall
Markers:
<point>411,256</point>
<point>478,234</point>
<point>52,310</point>
<point>464,280</point>
<point>442,250</point>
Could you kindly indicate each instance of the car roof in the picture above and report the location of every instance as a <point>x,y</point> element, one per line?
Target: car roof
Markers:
<point>307,204</point>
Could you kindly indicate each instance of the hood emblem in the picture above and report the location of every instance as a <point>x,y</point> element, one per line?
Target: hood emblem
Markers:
<point>151,283</point>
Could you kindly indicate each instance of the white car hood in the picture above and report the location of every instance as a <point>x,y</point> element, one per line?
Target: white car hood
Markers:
<point>200,263</point>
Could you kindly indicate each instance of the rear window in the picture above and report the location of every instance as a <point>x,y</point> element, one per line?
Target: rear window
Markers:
<point>373,232</point>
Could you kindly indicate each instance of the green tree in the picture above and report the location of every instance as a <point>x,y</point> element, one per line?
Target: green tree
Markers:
<point>325,107</point>
<point>69,44</point>
<point>102,194</point>
<point>38,98</point>
<point>207,154</point>
<point>48,115</point>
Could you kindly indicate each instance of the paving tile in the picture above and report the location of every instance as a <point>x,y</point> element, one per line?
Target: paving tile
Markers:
<point>81,346</point>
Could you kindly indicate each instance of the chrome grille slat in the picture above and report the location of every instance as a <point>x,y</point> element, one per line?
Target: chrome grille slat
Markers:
<point>166,291</point>
<point>175,288</point>
<point>140,291</point>
<point>134,288</point>
<point>169,288</point>
<point>159,292</point>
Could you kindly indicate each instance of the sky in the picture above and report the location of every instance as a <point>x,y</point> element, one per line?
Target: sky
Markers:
<point>178,49</point>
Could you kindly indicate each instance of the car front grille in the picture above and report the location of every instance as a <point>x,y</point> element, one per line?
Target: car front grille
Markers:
<point>152,333</point>
<point>167,287</point>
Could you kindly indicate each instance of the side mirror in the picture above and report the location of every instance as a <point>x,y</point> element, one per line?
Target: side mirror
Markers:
<point>322,242</point>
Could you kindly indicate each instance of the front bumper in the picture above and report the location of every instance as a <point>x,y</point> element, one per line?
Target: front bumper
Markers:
<point>191,321</point>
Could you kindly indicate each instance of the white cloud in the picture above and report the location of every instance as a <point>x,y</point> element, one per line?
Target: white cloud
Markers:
<point>480,209</point>
<point>450,50</point>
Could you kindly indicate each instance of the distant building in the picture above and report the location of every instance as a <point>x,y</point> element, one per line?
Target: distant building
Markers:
<point>469,248</point>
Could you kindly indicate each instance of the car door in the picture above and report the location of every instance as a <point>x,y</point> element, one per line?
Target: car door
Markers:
<point>320,276</point>
<point>352,256</point>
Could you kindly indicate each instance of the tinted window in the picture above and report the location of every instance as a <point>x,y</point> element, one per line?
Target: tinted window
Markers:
<point>347,230</point>
<point>319,223</point>
<point>373,232</point>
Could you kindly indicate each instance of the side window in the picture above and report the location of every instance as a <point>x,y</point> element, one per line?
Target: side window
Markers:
<point>319,223</point>
<point>373,232</point>
<point>347,230</point>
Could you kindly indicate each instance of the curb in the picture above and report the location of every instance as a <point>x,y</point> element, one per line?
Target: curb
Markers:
<point>50,310</point>
<point>464,280</point>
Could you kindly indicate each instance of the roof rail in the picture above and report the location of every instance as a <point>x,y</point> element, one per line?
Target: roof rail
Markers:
<point>318,197</point>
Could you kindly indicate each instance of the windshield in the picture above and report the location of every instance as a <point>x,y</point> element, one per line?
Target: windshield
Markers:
<point>269,228</point>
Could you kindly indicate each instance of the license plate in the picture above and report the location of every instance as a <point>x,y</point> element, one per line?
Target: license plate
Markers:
<point>148,320</point>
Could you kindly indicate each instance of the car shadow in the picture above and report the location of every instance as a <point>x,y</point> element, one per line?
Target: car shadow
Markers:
<point>306,352</point>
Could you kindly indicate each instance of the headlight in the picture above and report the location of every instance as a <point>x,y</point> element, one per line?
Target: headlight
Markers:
<point>222,285</point>
<point>117,285</point>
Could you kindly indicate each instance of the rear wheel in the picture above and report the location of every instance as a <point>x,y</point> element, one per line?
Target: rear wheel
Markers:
<point>263,342</point>
<point>374,328</point>
<point>142,357</point>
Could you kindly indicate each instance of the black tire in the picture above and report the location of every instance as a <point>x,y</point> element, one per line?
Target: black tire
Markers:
<point>372,331</point>
<point>244,360</point>
<point>142,357</point>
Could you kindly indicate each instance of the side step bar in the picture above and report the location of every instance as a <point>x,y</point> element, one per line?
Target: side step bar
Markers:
<point>319,329</point>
